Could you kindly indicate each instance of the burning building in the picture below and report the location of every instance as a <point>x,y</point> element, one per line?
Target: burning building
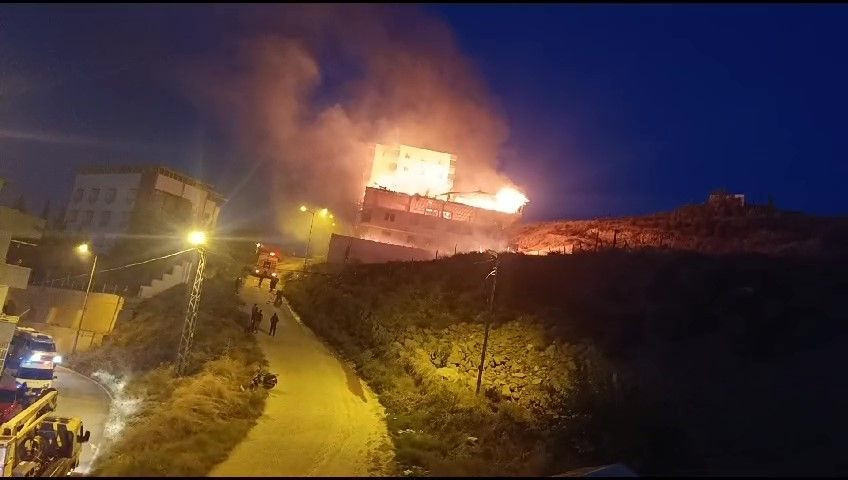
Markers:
<point>411,211</point>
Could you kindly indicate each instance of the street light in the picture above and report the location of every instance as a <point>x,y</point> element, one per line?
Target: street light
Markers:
<point>323,212</point>
<point>84,249</point>
<point>198,240</point>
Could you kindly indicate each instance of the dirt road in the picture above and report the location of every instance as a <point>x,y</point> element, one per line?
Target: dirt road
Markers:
<point>320,419</point>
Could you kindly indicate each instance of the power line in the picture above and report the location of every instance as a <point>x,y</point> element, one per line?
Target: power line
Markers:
<point>124,266</point>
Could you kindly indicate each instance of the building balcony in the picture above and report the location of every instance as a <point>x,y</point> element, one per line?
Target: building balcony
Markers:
<point>13,275</point>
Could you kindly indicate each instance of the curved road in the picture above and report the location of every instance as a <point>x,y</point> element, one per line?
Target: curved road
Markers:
<point>320,419</point>
<point>79,396</point>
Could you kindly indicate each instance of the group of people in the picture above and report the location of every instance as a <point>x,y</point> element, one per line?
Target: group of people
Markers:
<point>256,313</point>
<point>274,281</point>
<point>256,320</point>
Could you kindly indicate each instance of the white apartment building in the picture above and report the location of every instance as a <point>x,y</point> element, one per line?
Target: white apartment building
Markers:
<point>107,202</point>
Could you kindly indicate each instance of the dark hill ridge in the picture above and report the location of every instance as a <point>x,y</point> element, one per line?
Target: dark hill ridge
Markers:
<point>701,228</point>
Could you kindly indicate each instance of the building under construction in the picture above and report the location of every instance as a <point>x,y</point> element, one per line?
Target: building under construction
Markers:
<point>409,211</point>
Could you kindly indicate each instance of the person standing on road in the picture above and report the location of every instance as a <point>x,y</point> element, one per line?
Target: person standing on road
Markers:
<point>273,284</point>
<point>261,278</point>
<point>278,300</point>
<point>254,312</point>
<point>238,284</point>
<point>273,330</point>
<point>258,321</point>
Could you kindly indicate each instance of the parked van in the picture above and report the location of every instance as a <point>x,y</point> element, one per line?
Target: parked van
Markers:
<point>31,348</point>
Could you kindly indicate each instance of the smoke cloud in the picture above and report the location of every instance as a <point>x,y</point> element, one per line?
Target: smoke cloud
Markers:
<point>311,89</point>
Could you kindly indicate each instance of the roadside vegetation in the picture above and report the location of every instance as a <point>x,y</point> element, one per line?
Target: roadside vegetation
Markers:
<point>165,425</point>
<point>670,362</point>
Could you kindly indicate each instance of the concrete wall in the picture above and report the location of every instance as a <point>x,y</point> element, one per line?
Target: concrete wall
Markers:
<point>63,308</point>
<point>64,337</point>
<point>344,249</point>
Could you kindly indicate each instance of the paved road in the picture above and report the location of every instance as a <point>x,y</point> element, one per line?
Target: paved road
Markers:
<point>320,419</point>
<point>81,397</point>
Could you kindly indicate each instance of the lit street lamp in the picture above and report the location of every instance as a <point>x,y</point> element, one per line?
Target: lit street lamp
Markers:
<point>84,250</point>
<point>198,240</point>
<point>323,213</point>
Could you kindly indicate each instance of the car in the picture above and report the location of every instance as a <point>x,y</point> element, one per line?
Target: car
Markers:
<point>11,399</point>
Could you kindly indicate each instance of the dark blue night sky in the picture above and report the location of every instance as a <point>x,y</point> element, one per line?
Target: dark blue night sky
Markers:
<point>612,109</point>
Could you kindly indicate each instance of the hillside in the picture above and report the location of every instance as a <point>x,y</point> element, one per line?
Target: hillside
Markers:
<point>671,362</point>
<point>700,228</point>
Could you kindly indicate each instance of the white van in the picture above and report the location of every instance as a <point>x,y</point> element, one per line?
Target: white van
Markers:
<point>35,379</point>
<point>34,349</point>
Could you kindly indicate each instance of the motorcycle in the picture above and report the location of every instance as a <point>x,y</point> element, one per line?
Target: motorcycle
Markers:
<point>266,380</point>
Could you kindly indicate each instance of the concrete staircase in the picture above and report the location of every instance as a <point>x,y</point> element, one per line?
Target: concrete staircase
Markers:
<point>180,273</point>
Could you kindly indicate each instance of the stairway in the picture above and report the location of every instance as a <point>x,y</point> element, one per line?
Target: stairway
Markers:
<point>178,274</point>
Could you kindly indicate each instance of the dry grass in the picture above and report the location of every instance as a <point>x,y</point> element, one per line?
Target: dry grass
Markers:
<point>183,426</point>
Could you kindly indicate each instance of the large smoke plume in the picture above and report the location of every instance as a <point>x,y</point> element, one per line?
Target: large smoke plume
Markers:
<point>403,80</point>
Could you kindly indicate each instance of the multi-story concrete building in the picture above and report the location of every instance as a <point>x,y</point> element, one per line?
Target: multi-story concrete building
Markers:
<point>108,202</point>
<point>412,170</point>
<point>430,223</point>
<point>410,211</point>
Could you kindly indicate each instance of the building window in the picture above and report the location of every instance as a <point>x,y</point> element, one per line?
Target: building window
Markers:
<point>366,215</point>
<point>72,216</point>
<point>110,195</point>
<point>105,216</point>
<point>93,195</point>
<point>88,217</point>
<point>78,195</point>
<point>389,217</point>
<point>410,239</point>
<point>446,215</point>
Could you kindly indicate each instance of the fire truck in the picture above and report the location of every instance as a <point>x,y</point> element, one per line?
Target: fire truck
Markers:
<point>267,258</point>
<point>36,443</point>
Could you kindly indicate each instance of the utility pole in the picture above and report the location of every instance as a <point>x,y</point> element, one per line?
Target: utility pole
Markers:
<point>494,275</point>
<point>308,240</point>
<point>84,299</point>
<point>190,322</point>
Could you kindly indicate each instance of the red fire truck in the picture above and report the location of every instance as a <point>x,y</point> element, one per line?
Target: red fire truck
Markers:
<point>266,261</point>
